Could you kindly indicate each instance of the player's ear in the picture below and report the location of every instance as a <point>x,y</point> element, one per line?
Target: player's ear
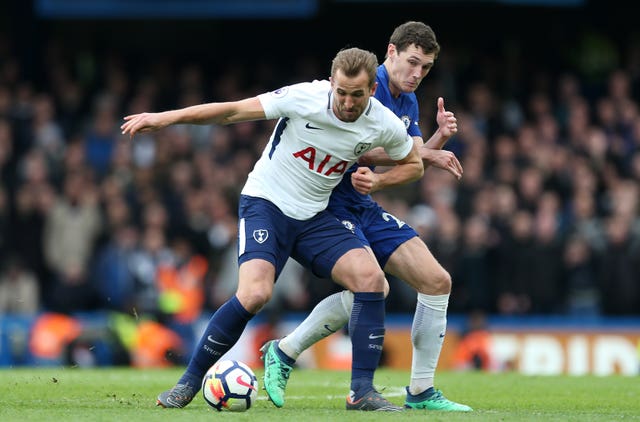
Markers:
<point>373,88</point>
<point>391,50</point>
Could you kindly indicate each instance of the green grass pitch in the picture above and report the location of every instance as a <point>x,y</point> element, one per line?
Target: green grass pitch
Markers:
<point>125,394</point>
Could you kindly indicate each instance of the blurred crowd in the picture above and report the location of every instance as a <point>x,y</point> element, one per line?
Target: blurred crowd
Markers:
<point>544,221</point>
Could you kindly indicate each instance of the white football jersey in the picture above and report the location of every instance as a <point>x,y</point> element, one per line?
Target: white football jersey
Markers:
<point>310,148</point>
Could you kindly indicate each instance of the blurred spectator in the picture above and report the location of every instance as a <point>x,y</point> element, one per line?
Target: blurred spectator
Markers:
<point>180,283</point>
<point>474,271</point>
<point>529,188</point>
<point>179,185</point>
<point>21,113</point>
<point>46,132</point>
<point>71,229</point>
<point>19,289</point>
<point>569,90</point>
<point>514,261</point>
<point>583,219</point>
<point>117,214</point>
<point>505,205</point>
<point>72,291</point>
<point>546,285</point>
<point>445,241</point>
<point>580,273</point>
<point>152,252</point>
<point>101,135</point>
<point>482,106</point>
<point>112,272</point>
<point>619,269</point>
<point>32,205</point>
<point>5,222</point>
<point>8,160</point>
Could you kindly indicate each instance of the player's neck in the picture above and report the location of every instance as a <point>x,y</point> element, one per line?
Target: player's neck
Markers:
<point>394,90</point>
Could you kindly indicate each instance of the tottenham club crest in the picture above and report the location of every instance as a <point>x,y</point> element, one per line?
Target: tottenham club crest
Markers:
<point>260,235</point>
<point>361,147</point>
<point>281,92</point>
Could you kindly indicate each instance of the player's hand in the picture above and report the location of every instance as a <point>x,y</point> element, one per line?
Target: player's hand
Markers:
<point>364,180</point>
<point>143,122</point>
<point>447,122</point>
<point>442,159</point>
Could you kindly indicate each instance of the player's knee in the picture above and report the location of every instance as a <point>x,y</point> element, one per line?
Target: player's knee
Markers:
<point>441,282</point>
<point>386,287</point>
<point>435,283</point>
<point>255,298</point>
<point>370,279</point>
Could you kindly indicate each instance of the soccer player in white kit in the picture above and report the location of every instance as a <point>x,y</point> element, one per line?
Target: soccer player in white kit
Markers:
<point>323,128</point>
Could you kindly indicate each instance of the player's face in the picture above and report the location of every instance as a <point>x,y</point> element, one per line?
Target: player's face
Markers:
<point>407,69</point>
<point>350,95</point>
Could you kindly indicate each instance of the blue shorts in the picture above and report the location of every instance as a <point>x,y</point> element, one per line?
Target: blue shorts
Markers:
<point>265,232</point>
<point>375,227</point>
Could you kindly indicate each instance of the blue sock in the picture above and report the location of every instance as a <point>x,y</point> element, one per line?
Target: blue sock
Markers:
<point>422,396</point>
<point>223,331</point>
<point>283,356</point>
<point>366,329</point>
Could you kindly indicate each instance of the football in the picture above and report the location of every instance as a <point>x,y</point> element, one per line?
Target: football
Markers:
<point>230,385</point>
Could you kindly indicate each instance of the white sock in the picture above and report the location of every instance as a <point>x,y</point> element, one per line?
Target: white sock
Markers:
<point>427,335</point>
<point>328,316</point>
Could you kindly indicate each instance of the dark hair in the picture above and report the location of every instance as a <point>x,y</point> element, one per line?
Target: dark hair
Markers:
<point>417,33</point>
<point>352,61</point>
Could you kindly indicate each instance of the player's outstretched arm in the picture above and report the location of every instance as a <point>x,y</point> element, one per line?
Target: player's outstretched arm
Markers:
<point>211,113</point>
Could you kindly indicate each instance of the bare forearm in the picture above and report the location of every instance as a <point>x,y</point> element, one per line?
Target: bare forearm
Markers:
<point>437,140</point>
<point>212,113</point>
<point>399,175</point>
<point>378,156</point>
<point>216,113</point>
<point>404,171</point>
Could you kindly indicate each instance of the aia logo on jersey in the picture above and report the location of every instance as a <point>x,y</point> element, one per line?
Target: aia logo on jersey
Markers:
<point>361,147</point>
<point>325,166</point>
<point>260,235</point>
<point>406,120</point>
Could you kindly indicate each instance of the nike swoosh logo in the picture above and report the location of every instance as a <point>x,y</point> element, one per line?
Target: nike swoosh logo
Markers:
<point>215,342</point>
<point>243,383</point>
<point>308,126</point>
<point>373,337</point>
<point>326,326</point>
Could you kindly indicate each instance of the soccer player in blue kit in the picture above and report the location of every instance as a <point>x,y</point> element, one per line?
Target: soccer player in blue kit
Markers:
<point>411,53</point>
<point>324,127</point>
